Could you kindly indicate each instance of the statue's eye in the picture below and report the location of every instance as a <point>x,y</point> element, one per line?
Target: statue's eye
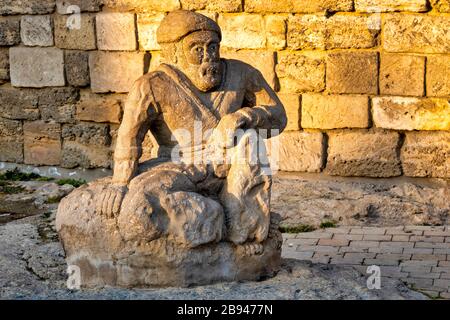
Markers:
<point>198,49</point>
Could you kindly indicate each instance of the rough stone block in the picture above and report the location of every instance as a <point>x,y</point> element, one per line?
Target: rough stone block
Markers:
<point>37,31</point>
<point>401,113</point>
<point>307,32</point>
<point>300,73</point>
<point>94,134</point>
<point>36,67</point>
<point>291,103</point>
<point>213,5</point>
<point>42,143</point>
<point>143,5</point>
<point>438,75</point>
<point>334,111</point>
<point>244,31</point>
<point>58,104</point>
<point>441,5</point>
<point>416,33</point>
<point>4,65</point>
<point>116,31</point>
<point>426,154</point>
<point>64,6</point>
<point>115,71</point>
<point>363,153</point>
<point>147,25</point>
<point>11,140</point>
<point>402,75</point>
<point>391,5</point>
<point>300,151</point>
<point>99,108</point>
<point>264,61</point>
<point>276,29</point>
<point>77,68</point>
<point>352,72</point>
<point>70,36</point>
<point>10,7</point>
<point>296,6</point>
<point>20,104</point>
<point>9,31</point>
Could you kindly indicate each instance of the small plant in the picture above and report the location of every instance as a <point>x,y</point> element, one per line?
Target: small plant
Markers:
<point>74,182</point>
<point>17,175</point>
<point>328,224</point>
<point>297,229</point>
<point>6,187</point>
<point>44,178</point>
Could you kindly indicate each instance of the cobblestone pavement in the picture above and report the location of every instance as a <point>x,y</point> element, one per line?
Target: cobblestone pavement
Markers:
<point>417,255</point>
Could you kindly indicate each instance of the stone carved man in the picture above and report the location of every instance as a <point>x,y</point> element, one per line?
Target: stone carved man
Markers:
<point>193,205</point>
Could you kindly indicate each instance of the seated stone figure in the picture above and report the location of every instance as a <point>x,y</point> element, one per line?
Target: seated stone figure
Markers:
<point>165,222</point>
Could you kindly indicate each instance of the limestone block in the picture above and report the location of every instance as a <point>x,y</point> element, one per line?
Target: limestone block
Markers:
<point>391,5</point>
<point>143,5</point>
<point>295,6</point>
<point>244,31</point>
<point>11,7</point>
<point>77,68</point>
<point>307,32</point>
<point>264,61</point>
<point>9,31</point>
<point>4,65</point>
<point>291,103</point>
<point>42,143</point>
<point>299,73</point>
<point>276,31</point>
<point>99,108</point>
<point>11,140</point>
<point>334,111</point>
<point>402,113</point>
<point>115,71</point>
<point>402,75</point>
<point>441,5</point>
<point>363,153</point>
<point>213,5</point>
<point>426,154</point>
<point>36,67</point>
<point>58,104</point>
<point>76,154</point>
<point>352,72</point>
<point>438,75</point>
<point>20,104</point>
<point>147,25</point>
<point>68,35</point>
<point>37,30</point>
<point>116,31</point>
<point>95,134</point>
<point>416,33</point>
<point>65,6</point>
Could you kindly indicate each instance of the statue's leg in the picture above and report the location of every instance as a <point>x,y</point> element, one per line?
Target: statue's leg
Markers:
<point>246,193</point>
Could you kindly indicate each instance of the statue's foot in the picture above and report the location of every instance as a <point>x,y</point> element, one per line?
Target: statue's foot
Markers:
<point>252,248</point>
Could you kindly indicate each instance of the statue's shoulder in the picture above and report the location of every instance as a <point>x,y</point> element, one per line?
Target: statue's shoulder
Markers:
<point>152,77</point>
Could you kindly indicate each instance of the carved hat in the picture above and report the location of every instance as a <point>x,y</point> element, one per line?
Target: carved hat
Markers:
<point>178,24</point>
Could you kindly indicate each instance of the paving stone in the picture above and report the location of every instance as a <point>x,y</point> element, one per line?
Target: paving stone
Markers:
<point>431,275</point>
<point>418,251</point>
<point>419,283</point>
<point>289,254</point>
<point>381,262</point>
<point>314,235</point>
<point>442,283</point>
<point>348,236</point>
<point>296,242</point>
<point>440,269</point>
<point>400,237</point>
<point>434,245</point>
<point>426,239</point>
<point>364,244</point>
<point>398,244</point>
<point>387,250</point>
<point>392,271</point>
<point>428,257</point>
<point>416,269</point>
<point>321,249</point>
<point>376,237</point>
<point>437,233</point>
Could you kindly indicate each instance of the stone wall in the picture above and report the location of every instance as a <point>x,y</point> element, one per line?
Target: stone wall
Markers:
<point>365,83</point>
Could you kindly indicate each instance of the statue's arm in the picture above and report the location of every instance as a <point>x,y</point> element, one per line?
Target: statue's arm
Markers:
<point>139,111</point>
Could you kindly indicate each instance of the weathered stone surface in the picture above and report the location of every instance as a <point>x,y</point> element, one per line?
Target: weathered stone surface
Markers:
<point>334,111</point>
<point>116,31</point>
<point>300,151</point>
<point>402,75</point>
<point>147,25</point>
<point>77,68</point>
<point>37,30</point>
<point>416,33</point>
<point>4,65</point>
<point>403,113</point>
<point>299,73</point>
<point>276,28</point>
<point>143,5</point>
<point>9,31</point>
<point>291,6</point>
<point>36,67</point>
<point>311,199</point>
<point>64,6</point>
<point>69,36</point>
<point>363,153</point>
<point>264,61</point>
<point>426,154</point>
<point>87,133</point>
<point>391,5</point>
<point>352,72</point>
<point>246,31</point>
<point>441,5</point>
<point>115,71</point>
<point>291,103</point>
<point>9,7</point>
<point>11,140</point>
<point>58,104</point>
<point>336,32</point>
<point>212,5</point>
<point>42,143</point>
<point>438,75</point>
<point>20,104</point>
<point>100,108</point>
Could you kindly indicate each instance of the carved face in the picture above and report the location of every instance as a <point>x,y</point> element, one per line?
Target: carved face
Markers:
<point>199,59</point>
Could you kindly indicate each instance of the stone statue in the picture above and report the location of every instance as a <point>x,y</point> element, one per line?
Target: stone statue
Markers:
<point>177,223</point>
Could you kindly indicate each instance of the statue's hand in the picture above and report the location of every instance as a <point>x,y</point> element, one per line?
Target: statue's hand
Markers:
<point>223,134</point>
<point>109,200</point>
